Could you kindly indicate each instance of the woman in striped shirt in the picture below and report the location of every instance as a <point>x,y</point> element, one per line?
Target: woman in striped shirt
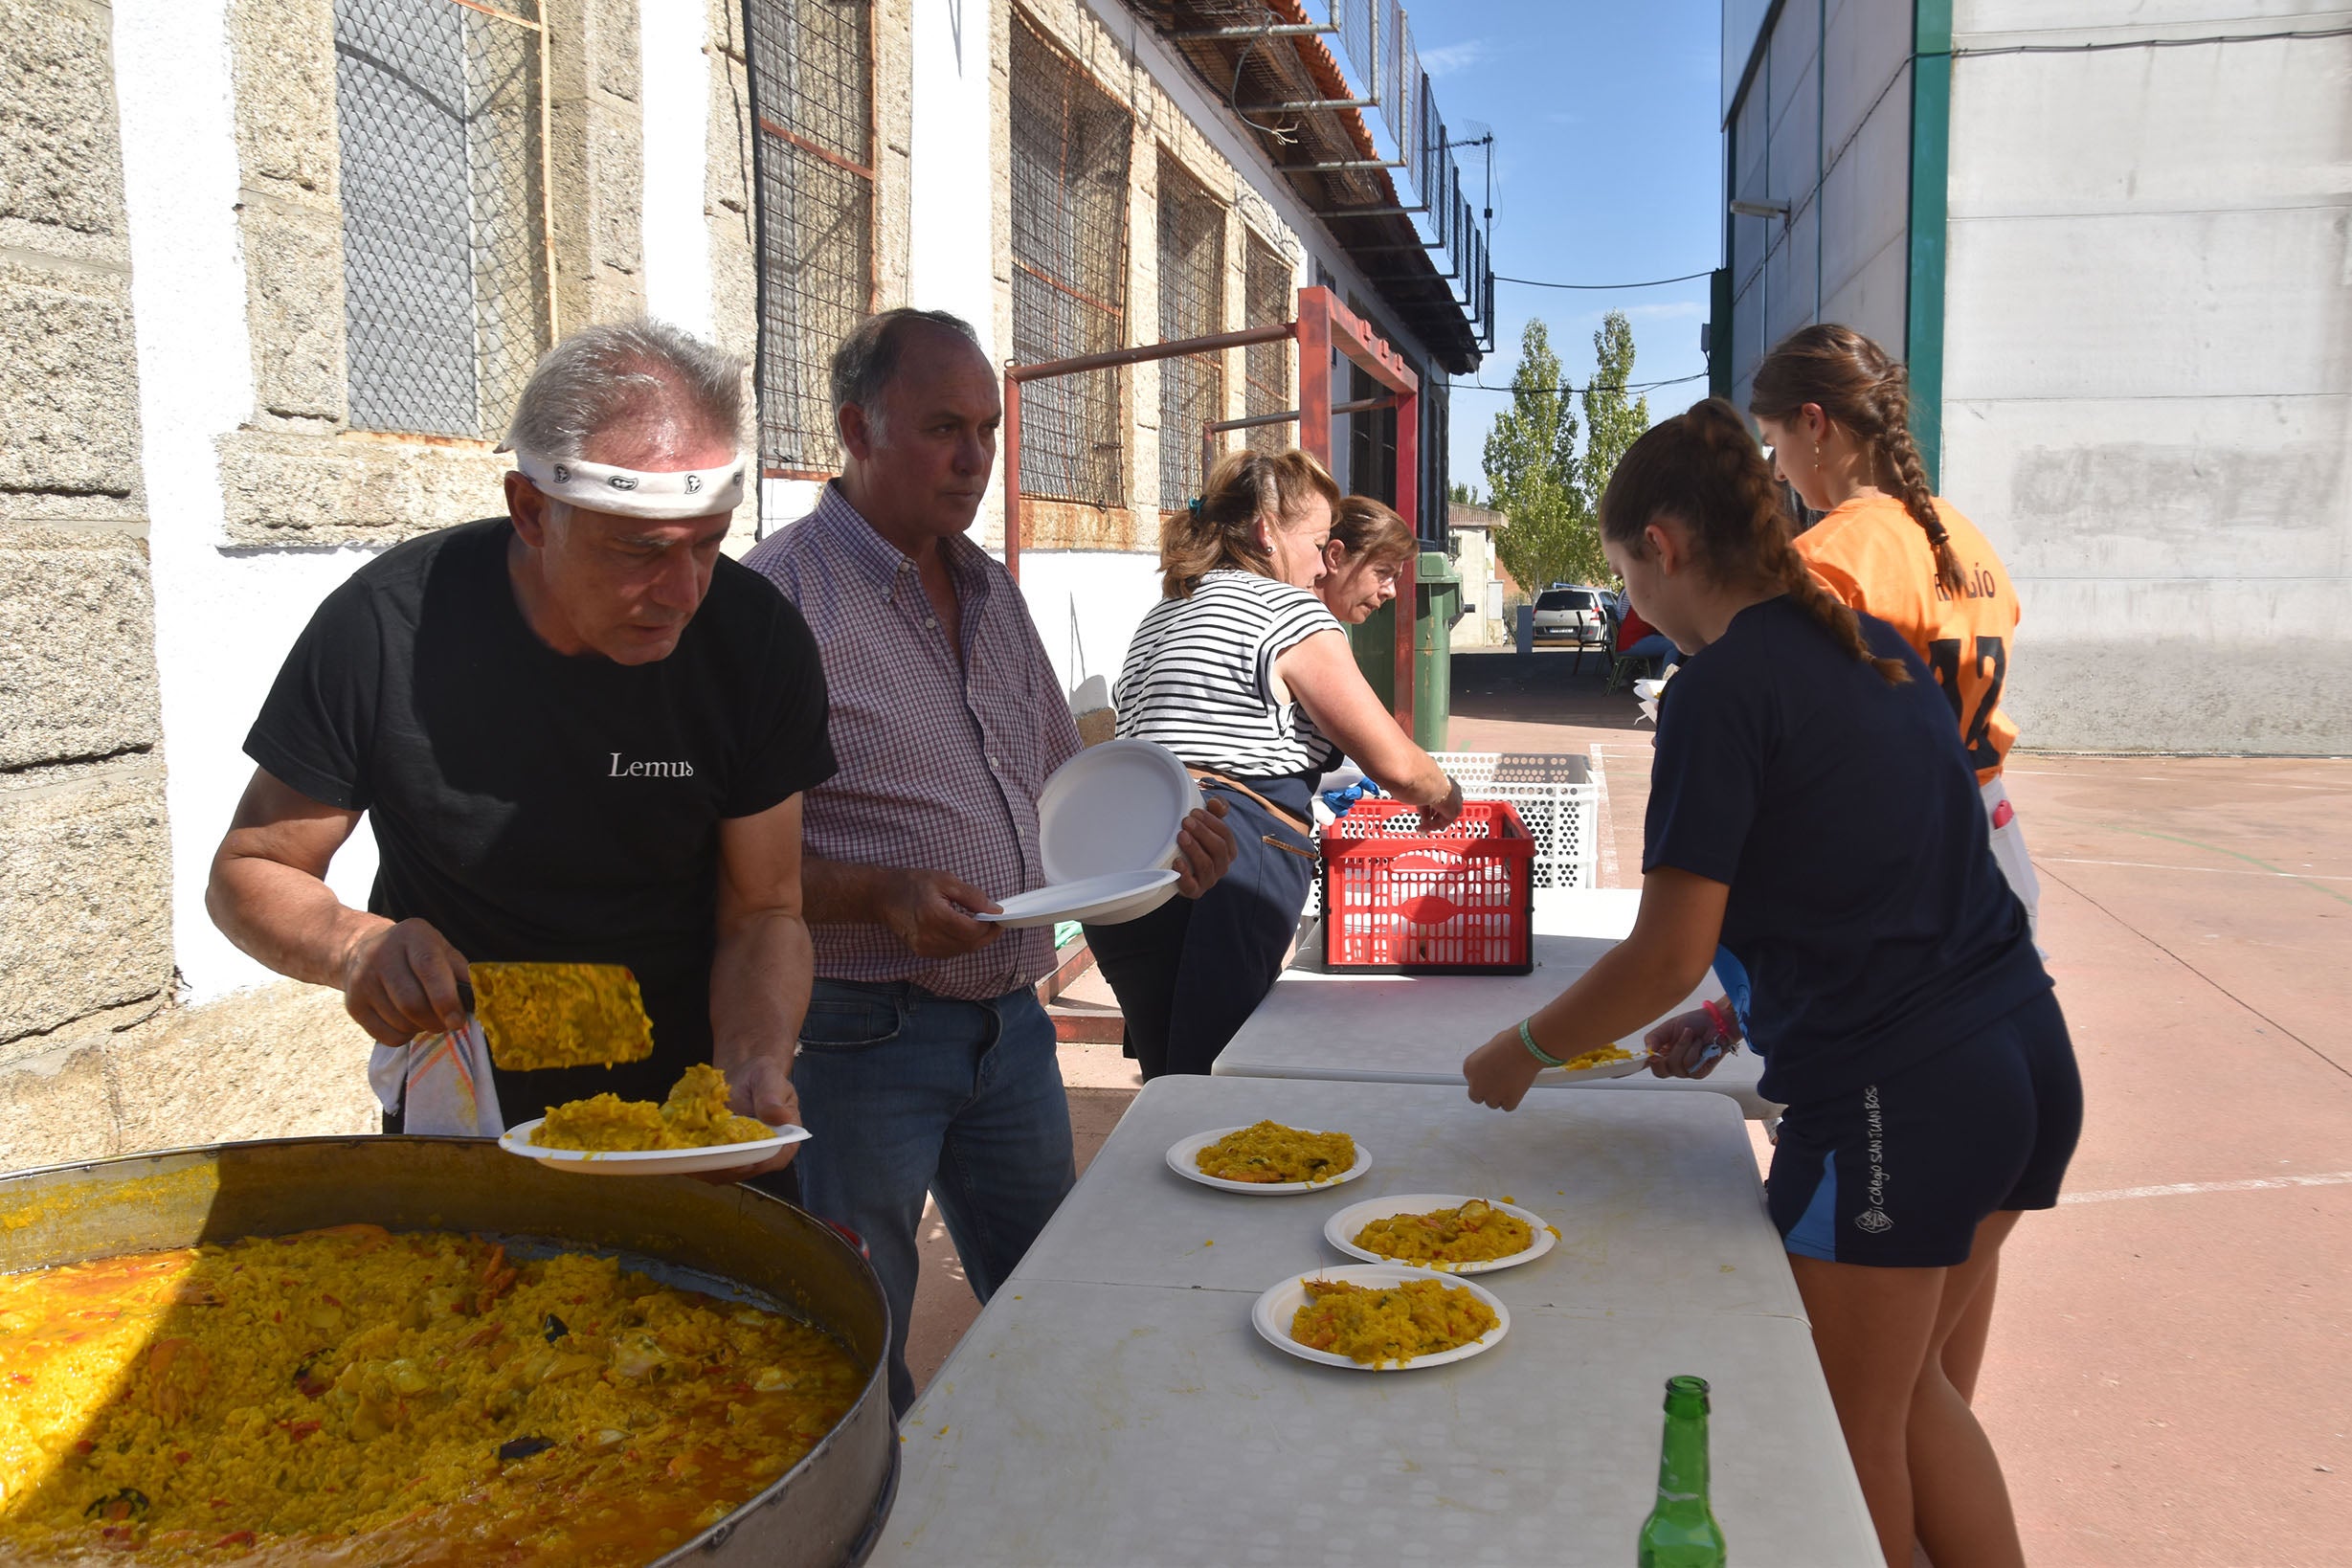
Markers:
<point>1242,672</point>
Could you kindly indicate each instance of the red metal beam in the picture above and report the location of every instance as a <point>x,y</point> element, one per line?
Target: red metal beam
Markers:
<point>1012,473</point>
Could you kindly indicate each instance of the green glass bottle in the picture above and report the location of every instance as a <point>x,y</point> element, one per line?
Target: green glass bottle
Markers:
<point>1681,1532</point>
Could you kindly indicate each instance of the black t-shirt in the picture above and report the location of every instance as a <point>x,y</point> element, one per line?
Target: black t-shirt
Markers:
<point>544,807</point>
<point>1841,811</point>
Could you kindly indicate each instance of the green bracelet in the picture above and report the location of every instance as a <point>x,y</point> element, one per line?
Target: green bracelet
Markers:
<point>1528,1040</point>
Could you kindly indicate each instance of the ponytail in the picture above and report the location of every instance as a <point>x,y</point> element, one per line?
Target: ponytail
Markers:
<point>1860,386</point>
<point>1219,530</point>
<point>1704,469</point>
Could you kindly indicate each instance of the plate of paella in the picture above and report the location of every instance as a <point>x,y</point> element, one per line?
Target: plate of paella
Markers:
<point>1269,1157</point>
<point>690,1132</point>
<point>1448,1233</point>
<point>1380,1317</point>
<point>1600,1062</point>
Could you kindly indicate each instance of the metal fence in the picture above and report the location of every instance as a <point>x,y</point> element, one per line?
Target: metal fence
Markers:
<point>1070,149</point>
<point>811,78</point>
<point>1375,44</point>
<point>1267,298</point>
<point>1192,305</point>
<point>440,118</point>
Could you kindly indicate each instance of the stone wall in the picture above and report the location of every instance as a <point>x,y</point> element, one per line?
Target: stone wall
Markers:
<point>296,474</point>
<point>84,848</point>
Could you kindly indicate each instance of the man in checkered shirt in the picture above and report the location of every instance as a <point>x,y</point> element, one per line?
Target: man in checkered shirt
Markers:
<point>926,1061</point>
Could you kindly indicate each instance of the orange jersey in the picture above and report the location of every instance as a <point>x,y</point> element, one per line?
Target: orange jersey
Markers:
<point>1875,556</point>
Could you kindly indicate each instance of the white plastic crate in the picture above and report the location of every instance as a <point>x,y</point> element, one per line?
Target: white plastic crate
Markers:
<point>1556,796</point>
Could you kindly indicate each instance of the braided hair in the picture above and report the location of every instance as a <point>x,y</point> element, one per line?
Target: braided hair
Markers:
<point>1862,387</point>
<point>1704,469</point>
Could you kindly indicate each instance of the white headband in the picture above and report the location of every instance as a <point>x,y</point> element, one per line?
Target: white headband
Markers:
<point>636,492</point>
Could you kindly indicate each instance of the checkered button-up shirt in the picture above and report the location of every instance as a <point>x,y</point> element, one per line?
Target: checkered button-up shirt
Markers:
<point>940,764</point>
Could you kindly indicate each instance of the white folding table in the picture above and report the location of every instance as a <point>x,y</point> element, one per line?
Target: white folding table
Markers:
<point>1112,1405</point>
<point>1416,1028</point>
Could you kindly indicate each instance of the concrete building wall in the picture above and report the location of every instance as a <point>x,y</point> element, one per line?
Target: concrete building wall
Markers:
<point>2148,368</point>
<point>1833,140</point>
<point>2146,388</point>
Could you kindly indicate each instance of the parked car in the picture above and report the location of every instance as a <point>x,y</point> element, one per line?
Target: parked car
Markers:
<point>1572,614</point>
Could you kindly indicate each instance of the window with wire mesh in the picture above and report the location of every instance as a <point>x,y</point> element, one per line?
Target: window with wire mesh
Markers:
<point>1266,367</point>
<point>1192,305</point>
<point>444,212</point>
<point>1070,147</point>
<point>812,101</point>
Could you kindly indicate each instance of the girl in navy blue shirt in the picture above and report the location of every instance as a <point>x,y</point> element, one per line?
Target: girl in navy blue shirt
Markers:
<point>1812,809</point>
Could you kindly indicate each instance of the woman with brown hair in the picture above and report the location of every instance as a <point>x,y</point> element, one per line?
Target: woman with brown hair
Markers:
<point>1242,672</point>
<point>1835,408</point>
<point>1902,1013</point>
<point>1369,547</point>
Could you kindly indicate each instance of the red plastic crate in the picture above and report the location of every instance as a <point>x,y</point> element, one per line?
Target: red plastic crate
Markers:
<point>1460,901</point>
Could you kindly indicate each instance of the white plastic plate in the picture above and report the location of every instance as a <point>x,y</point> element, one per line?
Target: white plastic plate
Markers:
<point>1275,1310</point>
<point>1114,807</point>
<point>1180,1160</point>
<point>1121,895</point>
<point>1638,1062</point>
<point>1341,1230</point>
<point>717,1157</point>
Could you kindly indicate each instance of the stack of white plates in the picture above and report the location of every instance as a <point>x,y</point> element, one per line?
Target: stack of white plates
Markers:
<point>1106,832</point>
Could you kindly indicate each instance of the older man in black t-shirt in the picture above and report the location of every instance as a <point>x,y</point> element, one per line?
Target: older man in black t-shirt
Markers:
<point>580,733</point>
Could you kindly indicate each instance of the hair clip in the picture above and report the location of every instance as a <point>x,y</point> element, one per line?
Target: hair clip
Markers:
<point>1193,505</point>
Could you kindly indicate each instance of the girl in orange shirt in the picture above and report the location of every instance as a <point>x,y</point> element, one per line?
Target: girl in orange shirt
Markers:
<point>1835,410</point>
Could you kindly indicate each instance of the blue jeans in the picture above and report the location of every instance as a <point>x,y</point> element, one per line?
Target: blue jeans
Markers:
<point>904,1093</point>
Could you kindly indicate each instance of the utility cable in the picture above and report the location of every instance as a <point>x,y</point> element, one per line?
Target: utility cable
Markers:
<point>1652,282</point>
<point>1534,392</point>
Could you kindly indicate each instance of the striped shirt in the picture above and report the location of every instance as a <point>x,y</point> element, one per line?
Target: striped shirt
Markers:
<point>1200,678</point>
<point>940,763</point>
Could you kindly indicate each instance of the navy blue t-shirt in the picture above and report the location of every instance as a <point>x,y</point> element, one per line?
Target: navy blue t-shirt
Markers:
<point>1841,811</point>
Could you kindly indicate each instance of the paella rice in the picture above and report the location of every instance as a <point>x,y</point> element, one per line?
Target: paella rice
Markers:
<point>373,1398</point>
<point>694,1116</point>
<point>1599,1056</point>
<point>537,1016</point>
<point>1476,1232</point>
<point>1268,1151</point>
<point>1371,1324</point>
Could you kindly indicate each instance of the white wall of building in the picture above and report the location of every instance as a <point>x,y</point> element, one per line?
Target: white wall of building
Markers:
<point>223,619</point>
<point>2148,368</point>
<point>674,83</point>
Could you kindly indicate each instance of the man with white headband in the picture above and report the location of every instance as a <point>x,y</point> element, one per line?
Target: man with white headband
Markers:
<point>581,734</point>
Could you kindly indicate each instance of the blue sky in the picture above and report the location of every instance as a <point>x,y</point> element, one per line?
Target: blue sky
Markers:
<point>1608,168</point>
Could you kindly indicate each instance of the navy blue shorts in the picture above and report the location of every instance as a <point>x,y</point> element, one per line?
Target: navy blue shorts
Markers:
<point>1899,1172</point>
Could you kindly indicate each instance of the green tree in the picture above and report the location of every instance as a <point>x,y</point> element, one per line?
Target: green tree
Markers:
<point>1612,420</point>
<point>1547,485</point>
<point>1530,464</point>
<point>1465,494</point>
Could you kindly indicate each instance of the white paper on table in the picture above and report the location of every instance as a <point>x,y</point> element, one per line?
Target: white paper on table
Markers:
<point>439,1084</point>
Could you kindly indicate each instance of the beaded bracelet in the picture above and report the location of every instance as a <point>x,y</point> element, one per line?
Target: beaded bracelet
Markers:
<point>1528,1038</point>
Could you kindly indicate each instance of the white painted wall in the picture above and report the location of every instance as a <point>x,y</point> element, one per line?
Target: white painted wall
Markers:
<point>223,620</point>
<point>951,188</point>
<point>1106,591</point>
<point>2148,370</point>
<point>675,82</point>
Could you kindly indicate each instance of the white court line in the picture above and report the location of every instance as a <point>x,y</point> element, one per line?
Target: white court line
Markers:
<point>2174,1189</point>
<point>2222,871</point>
